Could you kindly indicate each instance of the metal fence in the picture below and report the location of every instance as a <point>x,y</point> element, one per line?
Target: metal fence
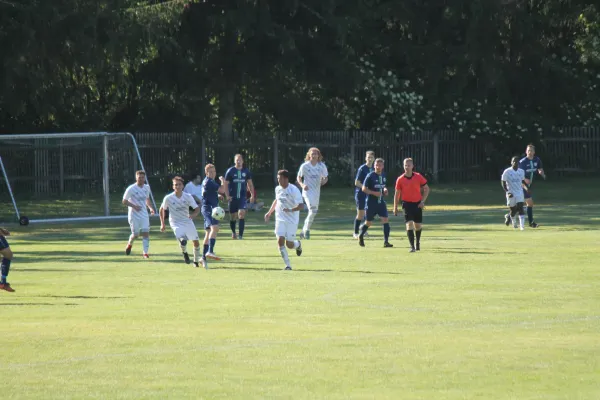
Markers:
<point>444,156</point>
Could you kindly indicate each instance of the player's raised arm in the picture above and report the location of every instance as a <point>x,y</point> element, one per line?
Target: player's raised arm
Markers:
<point>4,232</point>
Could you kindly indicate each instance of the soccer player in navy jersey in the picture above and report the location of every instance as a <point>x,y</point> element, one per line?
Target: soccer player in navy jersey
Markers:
<point>7,256</point>
<point>238,179</point>
<point>210,199</point>
<point>374,188</point>
<point>532,165</point>
<point>359,196</point>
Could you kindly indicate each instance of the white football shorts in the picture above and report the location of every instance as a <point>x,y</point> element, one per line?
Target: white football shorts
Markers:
<point>512,201</point>
<point>312,200</point>
<point>185,231</point>
<point>286,229</point>
<point>139,225</point>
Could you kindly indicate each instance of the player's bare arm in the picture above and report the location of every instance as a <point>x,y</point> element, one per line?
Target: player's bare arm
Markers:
<point>542,173</point>
<point>505,187</point>
<point>358,184</point>
<point>425,189</point>
<point>195,213</point>
<point>4,232</point>
<point>397,196</point>
<point>130,204</point>
<point>270,212</point>
<point>251,189</point>
<point>224,186</point>
<point>525,185</point>
<point>297,208</point>
<point>161,213</point>
<point>301,182</point>
<point>324,180</point>
<point>150,207</point>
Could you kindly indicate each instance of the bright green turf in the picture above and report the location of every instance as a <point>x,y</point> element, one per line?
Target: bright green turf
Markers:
<point>483,312</point>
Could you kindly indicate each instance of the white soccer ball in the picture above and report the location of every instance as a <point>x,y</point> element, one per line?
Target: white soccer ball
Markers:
<point>218,213</point>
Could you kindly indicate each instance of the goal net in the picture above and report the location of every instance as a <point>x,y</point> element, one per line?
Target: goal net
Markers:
<point>67,176</point>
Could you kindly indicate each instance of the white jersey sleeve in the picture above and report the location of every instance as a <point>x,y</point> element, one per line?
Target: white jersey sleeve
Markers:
<point>191,202</point>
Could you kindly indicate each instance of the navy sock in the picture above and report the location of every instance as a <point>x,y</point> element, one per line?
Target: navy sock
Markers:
<point>356,225</point>
<point>386,232</point>
<point>204,250</point>
<point>530,214</point>
<point>232,226</point>
<point>418,237</point>
<point>363,229</point>
<point>211,246</point>
<point>411,238</point>
<point>242,226</point>
<point>5,267</point>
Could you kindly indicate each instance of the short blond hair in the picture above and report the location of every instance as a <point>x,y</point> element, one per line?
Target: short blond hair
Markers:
<point>307,157</point>
<point>178,179</point>
<point>380,160</point>
<point>408,159</point>
<point>207,167</point>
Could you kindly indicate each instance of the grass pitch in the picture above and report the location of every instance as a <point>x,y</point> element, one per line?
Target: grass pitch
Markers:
<point>482,312</point>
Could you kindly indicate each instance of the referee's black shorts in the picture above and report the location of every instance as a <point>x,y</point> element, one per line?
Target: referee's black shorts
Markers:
<point>412,212</point>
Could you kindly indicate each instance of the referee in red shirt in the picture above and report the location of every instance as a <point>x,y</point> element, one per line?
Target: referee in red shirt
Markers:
<point>408,189</point>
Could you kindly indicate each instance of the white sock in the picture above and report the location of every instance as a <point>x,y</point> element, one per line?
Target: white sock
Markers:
<point>522,221</point>
<point>196,254</point>
<point>183,248</point>
<point>284,255</point>
<point>131,239</point>
<point>146,244</point>
<point>296,244</point>
<point>310,218</point>
<point>514,221</point>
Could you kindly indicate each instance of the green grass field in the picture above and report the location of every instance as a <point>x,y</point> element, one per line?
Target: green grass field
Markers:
<point>482,312</point>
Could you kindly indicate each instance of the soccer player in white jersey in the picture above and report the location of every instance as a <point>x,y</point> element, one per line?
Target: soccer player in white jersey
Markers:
<point>178,203</point>
<point>287,206</point>
<point>513,183</point>
<point>311,176</point>
<point>194,187</point>
<point>137,199</point>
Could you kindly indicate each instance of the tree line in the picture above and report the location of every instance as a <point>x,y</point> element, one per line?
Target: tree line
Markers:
<point>501,70</point>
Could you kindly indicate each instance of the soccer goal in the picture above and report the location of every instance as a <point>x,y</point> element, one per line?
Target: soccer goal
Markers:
<point>63,177</point>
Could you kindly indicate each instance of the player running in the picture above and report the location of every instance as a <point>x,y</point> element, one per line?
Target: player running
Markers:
<point>210,199</point>
<point>287,206</point>
<point>532,165</point>
<point>311,176</point>
<point>238,179</point>
<point>359,195</point>
<point>408,189</point>
<point>137,199</point>
<point>374,188</point>
<point>7,256</point>
<point>514,184</point>
<point>178,203</point>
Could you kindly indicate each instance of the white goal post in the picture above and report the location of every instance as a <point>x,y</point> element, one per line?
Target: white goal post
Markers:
<point>72,175</point>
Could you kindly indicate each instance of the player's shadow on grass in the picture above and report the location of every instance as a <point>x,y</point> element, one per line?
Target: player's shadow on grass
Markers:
<point>471,251</point>
<point>85,297</point>
<point>38,304</point>
<point>76,256</point>
<point>306,270</point>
